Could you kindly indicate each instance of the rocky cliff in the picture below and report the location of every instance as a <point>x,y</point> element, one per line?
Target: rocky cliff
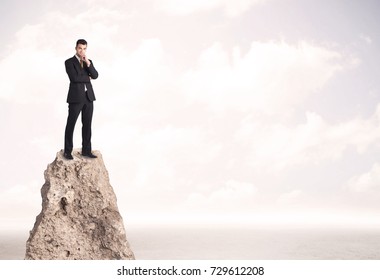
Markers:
<point>79,218</point>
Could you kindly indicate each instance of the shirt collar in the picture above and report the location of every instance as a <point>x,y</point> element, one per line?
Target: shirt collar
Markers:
<point>77,57</point>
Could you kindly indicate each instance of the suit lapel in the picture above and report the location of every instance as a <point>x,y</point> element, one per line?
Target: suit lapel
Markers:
<point>77,64</point>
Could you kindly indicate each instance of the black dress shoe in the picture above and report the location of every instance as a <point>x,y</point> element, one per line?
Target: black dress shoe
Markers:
<point>68,156</point>
<point>90,155</point>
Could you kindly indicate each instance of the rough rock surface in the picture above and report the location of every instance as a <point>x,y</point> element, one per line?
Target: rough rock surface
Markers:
<point>79,218</point>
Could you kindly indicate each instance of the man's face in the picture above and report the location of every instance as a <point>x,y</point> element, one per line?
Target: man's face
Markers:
<point>81,50</point>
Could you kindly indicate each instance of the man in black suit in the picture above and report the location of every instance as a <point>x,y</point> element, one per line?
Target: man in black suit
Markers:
<point>80,70</point>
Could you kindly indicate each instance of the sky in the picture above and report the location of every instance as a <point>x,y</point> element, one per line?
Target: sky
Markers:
<point>228,112</point>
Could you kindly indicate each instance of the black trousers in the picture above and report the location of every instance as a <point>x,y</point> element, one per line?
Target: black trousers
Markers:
<point>75,109</point>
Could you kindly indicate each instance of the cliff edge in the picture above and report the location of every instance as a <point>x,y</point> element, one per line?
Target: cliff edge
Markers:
<point>79,219</point>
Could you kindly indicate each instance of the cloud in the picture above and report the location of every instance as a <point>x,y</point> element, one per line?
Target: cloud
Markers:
<point>278,146</point>
<point>366,182</point>
<point>290,197</point>
<point>367,39</point>
<point>183,7</point>
<point>20,202</point>
<point>271,76</point>
<point>234,196</point>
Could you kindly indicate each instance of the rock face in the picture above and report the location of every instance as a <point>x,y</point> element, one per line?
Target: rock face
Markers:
<point>79,218</point>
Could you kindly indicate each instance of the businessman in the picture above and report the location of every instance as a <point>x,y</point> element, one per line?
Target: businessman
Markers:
<point>80,97</point>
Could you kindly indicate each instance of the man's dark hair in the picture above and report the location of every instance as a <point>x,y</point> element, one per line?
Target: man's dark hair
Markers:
<point>82,42</point>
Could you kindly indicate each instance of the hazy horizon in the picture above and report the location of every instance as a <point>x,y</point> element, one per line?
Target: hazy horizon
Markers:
<point>229,243</point>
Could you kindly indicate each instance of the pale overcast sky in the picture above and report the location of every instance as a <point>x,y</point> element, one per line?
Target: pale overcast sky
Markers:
<point>236,111</point>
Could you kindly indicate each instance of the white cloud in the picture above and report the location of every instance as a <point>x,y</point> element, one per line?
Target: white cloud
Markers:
<point>271,77</point>
<point>366,39</point>
<point>184,7</point>
<point>277,146</point>
<point>234,196</point>
<point>39,74</point>
<point>21,201</point>
<point>290,197</point>
<point>366,182</point>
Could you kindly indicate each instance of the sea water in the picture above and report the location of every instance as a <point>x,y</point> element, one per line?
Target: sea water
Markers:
<point>232,243</point>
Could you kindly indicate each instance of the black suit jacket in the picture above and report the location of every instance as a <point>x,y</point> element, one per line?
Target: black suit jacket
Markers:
<point>79,77</point>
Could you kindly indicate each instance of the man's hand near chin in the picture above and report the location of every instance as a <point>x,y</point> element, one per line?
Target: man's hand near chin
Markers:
<point>85,59</point>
